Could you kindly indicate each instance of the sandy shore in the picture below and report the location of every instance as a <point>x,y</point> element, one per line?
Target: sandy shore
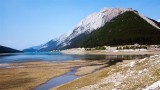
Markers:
<point>24,76</point>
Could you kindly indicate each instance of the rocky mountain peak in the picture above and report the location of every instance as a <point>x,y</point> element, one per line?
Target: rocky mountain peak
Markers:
<point>90,23</point>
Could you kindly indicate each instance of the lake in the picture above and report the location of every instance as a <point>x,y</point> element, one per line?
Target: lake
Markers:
<point>59,57</point>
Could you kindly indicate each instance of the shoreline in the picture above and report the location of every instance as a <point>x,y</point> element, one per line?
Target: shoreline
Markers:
<point>39,73</point>
<point>125,75</point>
<point>47,85</point>
<point>105,52</point>
<point>45,71</point>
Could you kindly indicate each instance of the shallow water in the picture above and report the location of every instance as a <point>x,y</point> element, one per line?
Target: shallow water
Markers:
<point>58,80</point>
<point>58,57</point>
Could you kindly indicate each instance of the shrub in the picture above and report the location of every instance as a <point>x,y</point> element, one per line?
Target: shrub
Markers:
<point>100,48</point>
<point>88,49</point>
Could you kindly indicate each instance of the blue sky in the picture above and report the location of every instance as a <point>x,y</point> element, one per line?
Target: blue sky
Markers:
<point>25,23</point>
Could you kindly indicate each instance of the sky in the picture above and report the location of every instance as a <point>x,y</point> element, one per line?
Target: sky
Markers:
<point>26,23</point>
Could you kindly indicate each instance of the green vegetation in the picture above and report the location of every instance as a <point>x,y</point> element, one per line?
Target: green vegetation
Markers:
<point>88,49</point>
<point>100,48</point>
<point>131,47</point>
<point>126,29</point>
<point>96,48</point>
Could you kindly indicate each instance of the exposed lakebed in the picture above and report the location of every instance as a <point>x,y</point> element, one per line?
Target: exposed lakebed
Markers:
<point>59,57</point>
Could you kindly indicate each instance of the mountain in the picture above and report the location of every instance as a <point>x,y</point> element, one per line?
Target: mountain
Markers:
<point>128,28</point>
<point>51,45</point>
<point>4,49</point>
<point>90,24</point>
<point>156,22</point>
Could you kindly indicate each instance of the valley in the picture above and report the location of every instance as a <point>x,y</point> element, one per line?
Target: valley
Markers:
<point>112,49</point>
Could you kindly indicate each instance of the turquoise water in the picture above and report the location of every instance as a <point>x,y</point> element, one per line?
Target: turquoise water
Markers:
<point>58,57</point>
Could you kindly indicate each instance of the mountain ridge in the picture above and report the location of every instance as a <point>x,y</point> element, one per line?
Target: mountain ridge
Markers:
<point>4,49</point>
<point>90,24</point>
<point>126,29</point>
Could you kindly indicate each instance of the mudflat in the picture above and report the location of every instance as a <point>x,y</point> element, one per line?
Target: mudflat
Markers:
<point>26,76</point>
<point>29,75</point>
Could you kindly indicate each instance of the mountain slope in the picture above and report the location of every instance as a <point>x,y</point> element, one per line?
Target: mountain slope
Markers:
<point>88,25</point>
<point>157,23</point>
<point>7,50</point>
<point>51,45</point>
<point>128,28</point>
<point>94,21</point>
<point>45,47</point>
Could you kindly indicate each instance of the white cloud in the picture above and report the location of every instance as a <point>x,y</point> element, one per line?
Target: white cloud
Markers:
<point>158,20</point>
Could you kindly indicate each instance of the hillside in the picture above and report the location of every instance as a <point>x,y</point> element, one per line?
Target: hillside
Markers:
<point>7,50</point>
<point>109,26</point>
<point>46,47</point>
<point>85,26</point>
<point>127,28</point>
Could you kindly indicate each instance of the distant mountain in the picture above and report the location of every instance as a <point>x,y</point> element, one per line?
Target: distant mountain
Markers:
<point>51,45</point>
<point>4,49</point>
<point>94,23</point>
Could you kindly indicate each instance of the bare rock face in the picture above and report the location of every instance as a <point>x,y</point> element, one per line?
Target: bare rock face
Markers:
<point>94,21</point>
<point>87,25</point>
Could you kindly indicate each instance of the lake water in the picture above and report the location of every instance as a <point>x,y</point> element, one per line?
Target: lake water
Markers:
<point>58,57</point>
<point>58,80</point>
